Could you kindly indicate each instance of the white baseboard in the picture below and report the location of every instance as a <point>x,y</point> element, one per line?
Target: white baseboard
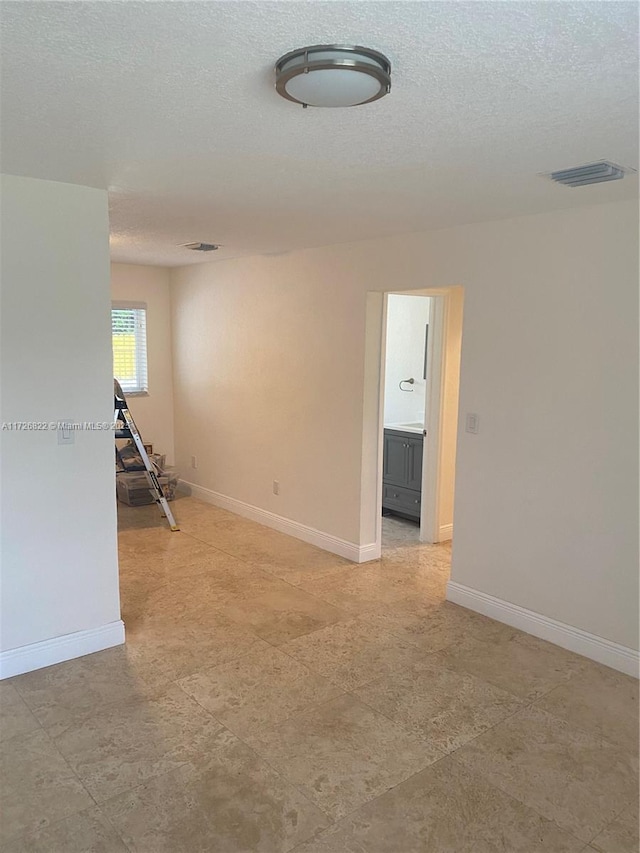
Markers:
<point>445,532</point>
<point>59,649</point>
<point>576,640</point>
<point>369,552</point>
<point>353,552</point>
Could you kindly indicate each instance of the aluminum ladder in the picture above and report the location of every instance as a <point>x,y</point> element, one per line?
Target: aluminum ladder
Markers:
<point>125,427</point>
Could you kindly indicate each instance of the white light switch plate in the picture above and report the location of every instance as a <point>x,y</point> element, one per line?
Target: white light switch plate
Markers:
<point>65,433</point>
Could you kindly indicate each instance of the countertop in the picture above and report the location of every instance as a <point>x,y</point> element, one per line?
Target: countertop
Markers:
<point>412,427</point>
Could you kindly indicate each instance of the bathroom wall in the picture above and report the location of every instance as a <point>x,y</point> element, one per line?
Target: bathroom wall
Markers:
<point>407,317</point>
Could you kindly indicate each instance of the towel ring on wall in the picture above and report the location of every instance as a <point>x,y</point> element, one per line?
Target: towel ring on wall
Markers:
<point>406,382</point>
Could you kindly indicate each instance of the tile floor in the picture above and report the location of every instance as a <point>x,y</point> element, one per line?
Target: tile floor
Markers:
<point>273,697</point>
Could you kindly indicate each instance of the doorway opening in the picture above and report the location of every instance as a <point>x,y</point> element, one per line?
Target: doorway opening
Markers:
<point>406,367</point>
<point>413,372</point>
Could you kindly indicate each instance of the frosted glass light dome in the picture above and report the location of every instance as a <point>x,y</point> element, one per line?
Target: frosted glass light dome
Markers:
<point>333,75</point>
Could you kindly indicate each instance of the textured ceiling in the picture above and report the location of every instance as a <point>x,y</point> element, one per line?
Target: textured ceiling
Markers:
<point>171,106</point>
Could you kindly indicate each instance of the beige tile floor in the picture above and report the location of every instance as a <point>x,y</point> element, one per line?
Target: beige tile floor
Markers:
<point>273,697</point>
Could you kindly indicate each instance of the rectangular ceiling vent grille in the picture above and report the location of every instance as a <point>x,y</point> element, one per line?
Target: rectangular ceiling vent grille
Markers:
<point>592,173</point>
<point>202,247</point>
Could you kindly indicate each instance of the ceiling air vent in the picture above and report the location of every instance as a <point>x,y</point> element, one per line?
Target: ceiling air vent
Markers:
<point>201,247</point>
<point>592,173</point>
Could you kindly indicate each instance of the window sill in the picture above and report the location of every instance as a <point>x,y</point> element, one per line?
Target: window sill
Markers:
<point>136,393</point>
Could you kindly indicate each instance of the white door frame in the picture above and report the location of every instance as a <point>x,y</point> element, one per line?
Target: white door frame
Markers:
<point>431,479</point>
<point>431,466</point>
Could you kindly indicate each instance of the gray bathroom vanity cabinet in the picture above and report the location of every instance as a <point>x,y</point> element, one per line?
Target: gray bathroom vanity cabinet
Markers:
<point>402,472</point>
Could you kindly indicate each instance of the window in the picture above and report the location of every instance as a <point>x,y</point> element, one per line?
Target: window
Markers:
<point>129,337</point>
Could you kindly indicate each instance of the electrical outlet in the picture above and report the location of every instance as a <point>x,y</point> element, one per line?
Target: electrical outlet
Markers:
<point>276,487</point>
<point>194,462</point>
<point>472,422</point>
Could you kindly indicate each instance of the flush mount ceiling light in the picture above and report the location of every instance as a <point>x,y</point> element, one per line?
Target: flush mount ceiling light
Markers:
<point>333,75</point>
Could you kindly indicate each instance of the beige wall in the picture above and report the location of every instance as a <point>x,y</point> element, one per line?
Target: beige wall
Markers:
<point>269,365</point>
<point>59,548</point>
<point>267,372</point>
<point>153,413</point>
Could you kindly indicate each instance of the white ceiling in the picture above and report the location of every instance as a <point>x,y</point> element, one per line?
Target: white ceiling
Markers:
<point>171,106</point>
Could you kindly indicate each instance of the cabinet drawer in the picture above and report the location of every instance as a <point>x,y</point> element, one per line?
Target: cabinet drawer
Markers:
<point>404,500</point>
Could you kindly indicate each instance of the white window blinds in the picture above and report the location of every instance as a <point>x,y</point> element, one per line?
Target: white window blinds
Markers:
<point>129,337</point>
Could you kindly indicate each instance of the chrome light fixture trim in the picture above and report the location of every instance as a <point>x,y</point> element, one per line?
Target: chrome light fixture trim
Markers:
<point>328,57</point>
